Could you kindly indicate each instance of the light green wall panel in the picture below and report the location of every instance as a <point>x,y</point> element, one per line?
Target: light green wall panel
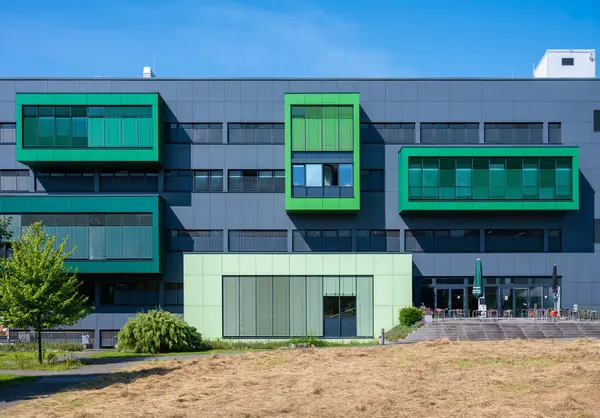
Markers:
<point>331,286</point>
<point>364,307</point>
<point>314,306</point>
<point>297,306</point>
<point>391,287</point>
<point>281,305</point>
<point>247,304</point>
<point>348,286</point>
<point>231,314</point>
<point>264,306</point>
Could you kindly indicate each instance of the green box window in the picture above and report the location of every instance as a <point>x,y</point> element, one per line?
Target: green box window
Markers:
<point>327,124</point>
<point>529,176</point>
<point>116,127</point>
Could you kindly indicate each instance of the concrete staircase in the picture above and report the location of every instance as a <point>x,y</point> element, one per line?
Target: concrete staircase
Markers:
<point>504,330</point>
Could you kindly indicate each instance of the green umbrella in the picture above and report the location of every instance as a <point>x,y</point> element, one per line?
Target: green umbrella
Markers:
<point>477,291</point>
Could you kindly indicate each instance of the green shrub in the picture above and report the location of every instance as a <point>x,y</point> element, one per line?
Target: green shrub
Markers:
<point>410,316</point>
<point>158,331</point>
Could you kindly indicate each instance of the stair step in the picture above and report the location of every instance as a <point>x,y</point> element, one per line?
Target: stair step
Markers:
<point>504,329</point>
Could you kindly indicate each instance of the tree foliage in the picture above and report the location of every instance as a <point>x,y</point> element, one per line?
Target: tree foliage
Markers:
<point>5,234</point>
<point>158,331</point>
<point>37,290</point>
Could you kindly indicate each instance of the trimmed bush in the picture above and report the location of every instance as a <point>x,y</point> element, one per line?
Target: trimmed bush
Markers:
<point>410,316</point>
<point>158,331</point>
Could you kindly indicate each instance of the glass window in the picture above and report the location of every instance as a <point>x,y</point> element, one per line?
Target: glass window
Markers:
<point>201,180</point>
<point>216,181</point>
<point>346,175</point>
<point>330,175</point>
<point>514,240</point>
<point>314,175</point>
<point>513,178</point>
<point>298,175</point>
<point>256,181</point>
<point>453,240</point>
<point>555,240</point>
<point>554,133</point>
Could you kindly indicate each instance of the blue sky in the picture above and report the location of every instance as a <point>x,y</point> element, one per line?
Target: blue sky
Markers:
<point>278,38</point>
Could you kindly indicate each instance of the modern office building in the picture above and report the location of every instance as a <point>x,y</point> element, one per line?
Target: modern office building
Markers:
<point>267,208</point>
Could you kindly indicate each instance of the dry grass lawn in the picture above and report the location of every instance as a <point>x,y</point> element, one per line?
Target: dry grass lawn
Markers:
<point>435,379</point>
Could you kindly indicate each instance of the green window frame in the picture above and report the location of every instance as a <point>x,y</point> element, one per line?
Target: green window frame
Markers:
<point>322,128</point>
<point>80,127</point>
<point>490,179</point>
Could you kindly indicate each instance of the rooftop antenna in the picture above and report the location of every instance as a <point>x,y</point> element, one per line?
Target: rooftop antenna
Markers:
<point>154,62</point>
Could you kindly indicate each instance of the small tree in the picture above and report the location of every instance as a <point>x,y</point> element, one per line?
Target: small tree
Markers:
<point>37,290</point>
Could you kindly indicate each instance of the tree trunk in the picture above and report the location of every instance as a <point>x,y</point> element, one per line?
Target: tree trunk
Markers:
<point>39,333</point>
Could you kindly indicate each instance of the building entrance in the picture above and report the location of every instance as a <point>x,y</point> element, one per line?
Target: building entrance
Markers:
<point>507,296</point>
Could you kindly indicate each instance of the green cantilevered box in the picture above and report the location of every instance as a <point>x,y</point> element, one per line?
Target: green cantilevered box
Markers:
<point>58,129</point>
<point>98,226</point>
<point>330,127</point>
<point>543,178</point>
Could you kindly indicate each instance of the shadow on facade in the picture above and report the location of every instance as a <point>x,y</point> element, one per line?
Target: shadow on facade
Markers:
<point>372,203</point>
<point>577,227</point>
<point>176,155</point>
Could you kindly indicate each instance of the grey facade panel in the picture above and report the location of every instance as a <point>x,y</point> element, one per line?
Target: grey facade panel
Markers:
<point>569,102</point>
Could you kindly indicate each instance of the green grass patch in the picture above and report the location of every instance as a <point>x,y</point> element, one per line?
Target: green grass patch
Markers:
<point>229,346</point>
<point>32,346</point>
<point>119,354</point>
<point>7,380</point>
<point>22,360</point>
<point>400,332</point>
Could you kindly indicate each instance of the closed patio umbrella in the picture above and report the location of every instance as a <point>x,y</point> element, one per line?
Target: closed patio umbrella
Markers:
<point>477,287</point>
<point>555,286</point>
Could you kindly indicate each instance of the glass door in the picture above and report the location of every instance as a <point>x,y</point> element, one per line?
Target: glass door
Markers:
<point>457,298</point>
<point>339,316</point>
<point>521,302</point>
<point>536,297</point>
<point>348,316</point>
<point>506,300</point>
<point>442,298</point>
<point>491,298</point>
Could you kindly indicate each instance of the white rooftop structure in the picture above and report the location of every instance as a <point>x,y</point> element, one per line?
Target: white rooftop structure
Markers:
<point>147,73</point>
<point>567,63</point>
